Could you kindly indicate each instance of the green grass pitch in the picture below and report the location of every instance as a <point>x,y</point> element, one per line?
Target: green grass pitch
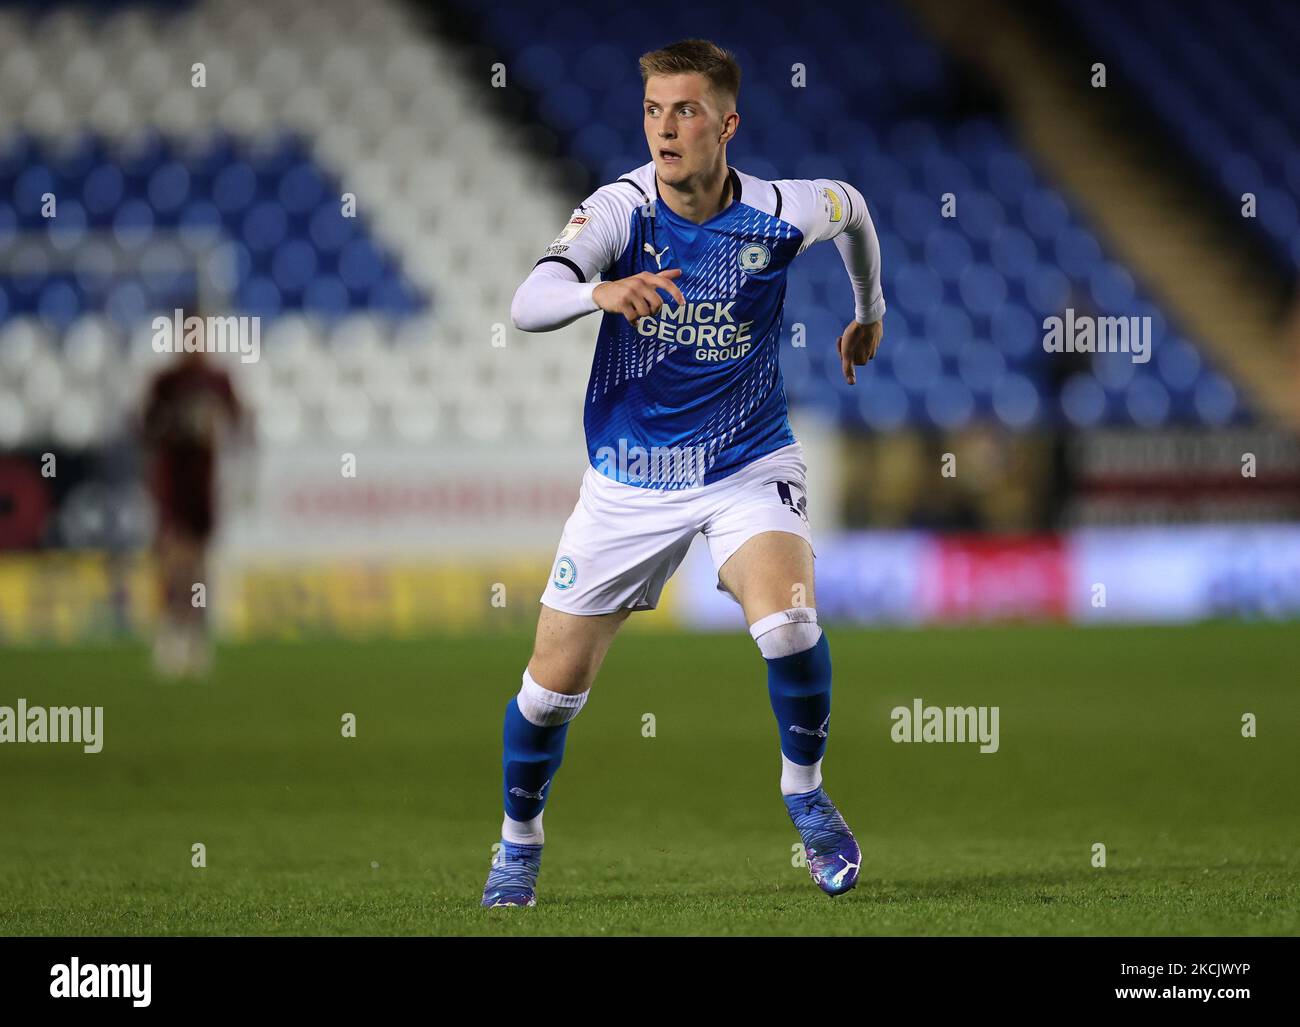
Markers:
<point>1127,737</point>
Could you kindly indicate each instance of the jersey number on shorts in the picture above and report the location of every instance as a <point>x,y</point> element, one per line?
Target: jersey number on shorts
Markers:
<point>783,489</point>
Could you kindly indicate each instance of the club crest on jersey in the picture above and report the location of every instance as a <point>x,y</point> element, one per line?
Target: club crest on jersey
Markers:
<point>566,573</point>
<point>753,257</point>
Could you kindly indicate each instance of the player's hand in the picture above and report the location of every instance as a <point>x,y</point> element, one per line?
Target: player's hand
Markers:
<point>858,345</point>
<point>637,296</point>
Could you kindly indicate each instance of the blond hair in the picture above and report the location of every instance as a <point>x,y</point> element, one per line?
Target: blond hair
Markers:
<point>718,66</point>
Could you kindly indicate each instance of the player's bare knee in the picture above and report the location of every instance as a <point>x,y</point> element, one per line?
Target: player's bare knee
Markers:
<point>785,633</point>
<point>560,671</point>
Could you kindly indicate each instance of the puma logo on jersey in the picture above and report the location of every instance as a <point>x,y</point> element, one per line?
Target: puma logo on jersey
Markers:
<point>657,256</point>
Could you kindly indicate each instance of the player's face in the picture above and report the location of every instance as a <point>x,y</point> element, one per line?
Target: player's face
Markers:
<point>685,126</point>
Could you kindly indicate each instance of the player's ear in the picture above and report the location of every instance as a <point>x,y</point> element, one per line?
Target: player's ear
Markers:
<point>730,123</point>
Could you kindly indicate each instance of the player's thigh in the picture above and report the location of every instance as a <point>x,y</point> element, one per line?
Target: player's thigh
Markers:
<point>569,648</point>
<point>770,572</point>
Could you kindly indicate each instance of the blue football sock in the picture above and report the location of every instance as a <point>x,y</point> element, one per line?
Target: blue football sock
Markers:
<point>799,686</point>
<point>531,756</point>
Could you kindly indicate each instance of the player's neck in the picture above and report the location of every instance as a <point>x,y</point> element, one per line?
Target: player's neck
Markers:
<point>696,200</point>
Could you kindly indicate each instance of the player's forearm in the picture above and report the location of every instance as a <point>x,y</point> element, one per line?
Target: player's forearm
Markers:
<point>860,249</point>
<point>551,298</point>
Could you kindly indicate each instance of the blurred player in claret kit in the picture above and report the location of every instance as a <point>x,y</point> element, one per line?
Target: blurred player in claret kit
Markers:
<point>691,256</point>
<point>190,406</point>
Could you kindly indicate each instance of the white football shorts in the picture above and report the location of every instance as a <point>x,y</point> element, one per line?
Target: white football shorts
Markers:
<point>622,542</point>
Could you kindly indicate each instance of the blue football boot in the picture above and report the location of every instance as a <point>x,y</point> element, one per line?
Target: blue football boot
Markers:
<point>833,853</point>
<point>512,881</point>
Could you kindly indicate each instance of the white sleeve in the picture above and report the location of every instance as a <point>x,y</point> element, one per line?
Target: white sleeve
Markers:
<point>860,250</point>
<point>549,298</point>
<point>559,288</point>
<point>824,208</point>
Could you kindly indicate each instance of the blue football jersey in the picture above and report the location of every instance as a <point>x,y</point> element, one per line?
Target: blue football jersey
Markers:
<point>694,393</point>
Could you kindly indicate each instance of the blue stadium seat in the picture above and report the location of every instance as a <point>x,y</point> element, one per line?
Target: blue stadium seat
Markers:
<point>1223,79</point>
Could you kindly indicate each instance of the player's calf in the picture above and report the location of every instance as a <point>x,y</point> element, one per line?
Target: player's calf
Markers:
<point>536,724</point>
<point>799,686</point>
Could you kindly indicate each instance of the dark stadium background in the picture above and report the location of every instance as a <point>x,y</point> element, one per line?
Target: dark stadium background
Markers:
<point>1115,561</point>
